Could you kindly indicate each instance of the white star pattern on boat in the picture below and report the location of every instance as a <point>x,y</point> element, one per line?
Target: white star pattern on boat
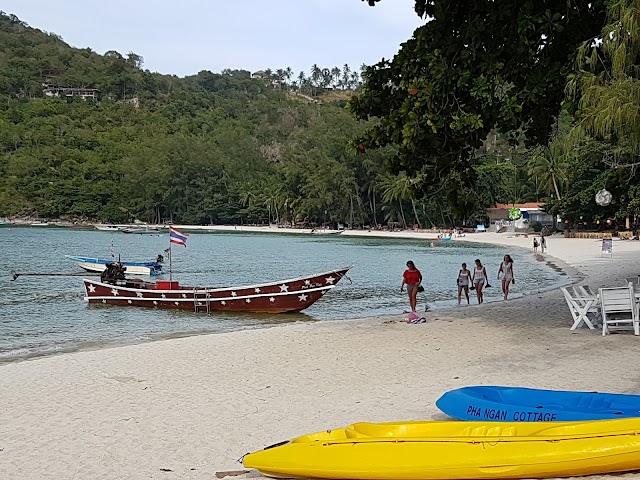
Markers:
<point>248,300</point>
<point>302,298</point>
<point>184,295</point>
<point>257,290</point>
<point>307,282</point>
<point>104,301</point>
<point>234,294</point>
<point>284,288</point>
<point>223,302</point>
<point>129,302</point>
<point>139,294</point>
<point>271,299</point>
<point>163,296</point>
<point>177,303</point>
<point>91,288</point>
<point>330,280</point>
<point>114,292</point>
<point>155,303</point>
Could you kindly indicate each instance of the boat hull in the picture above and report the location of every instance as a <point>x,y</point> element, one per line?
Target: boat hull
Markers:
<point>497,403</point>
<point>275,297</point>
<point>107,228</point>
<point>100,264</point>
<point>453,450</point>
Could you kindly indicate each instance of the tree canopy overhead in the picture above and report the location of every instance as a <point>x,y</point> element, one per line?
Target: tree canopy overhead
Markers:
<point>472,67</point>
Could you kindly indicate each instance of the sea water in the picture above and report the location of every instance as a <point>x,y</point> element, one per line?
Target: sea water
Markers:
<point>41,315</point>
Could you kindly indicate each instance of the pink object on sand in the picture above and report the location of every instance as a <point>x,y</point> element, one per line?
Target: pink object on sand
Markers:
<point>413,316</point>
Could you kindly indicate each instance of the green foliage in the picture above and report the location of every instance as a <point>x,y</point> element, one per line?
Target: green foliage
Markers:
<point>606,87</point>
<point>472,67</point>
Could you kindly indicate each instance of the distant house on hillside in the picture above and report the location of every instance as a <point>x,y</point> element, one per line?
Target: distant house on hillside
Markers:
<point>262,75</point>
<point>532,213</point>
<point>83,93</point>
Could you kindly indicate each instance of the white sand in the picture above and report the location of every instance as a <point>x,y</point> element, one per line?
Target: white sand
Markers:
<point>195,405</point>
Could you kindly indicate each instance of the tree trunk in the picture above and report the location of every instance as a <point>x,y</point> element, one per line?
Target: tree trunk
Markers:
<point>404,221</point>
<point>555,185</point>
<point>375,220</point>
<point>415,213</point>
<point>424,211</point>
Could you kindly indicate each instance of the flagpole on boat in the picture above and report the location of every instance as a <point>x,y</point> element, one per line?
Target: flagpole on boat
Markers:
<point>170,265</point>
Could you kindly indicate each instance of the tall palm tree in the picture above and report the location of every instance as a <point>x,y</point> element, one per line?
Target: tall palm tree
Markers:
<point>549,165</point>
<point>400,189</point>
<point>355,80</point>
<point>335,76</point>
<point>346,75</point>
<point>325,77</point>
<point>316,75</point>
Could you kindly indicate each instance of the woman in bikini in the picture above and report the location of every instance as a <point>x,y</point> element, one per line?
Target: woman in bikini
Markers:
<point>412,279</point>
<point>479,279</point>
<point>506,268</point>
<point>464,278</point>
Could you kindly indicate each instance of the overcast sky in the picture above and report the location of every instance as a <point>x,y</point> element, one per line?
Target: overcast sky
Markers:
<point>184,37</point>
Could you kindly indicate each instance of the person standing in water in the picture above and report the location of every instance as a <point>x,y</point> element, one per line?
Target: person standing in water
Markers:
<point>479,280</point>
<point>543,243</point>
<point>506,268</point>
<point>412,278</point>
<point>464,279</point>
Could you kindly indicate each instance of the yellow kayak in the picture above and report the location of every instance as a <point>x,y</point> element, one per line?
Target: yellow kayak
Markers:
<point>455,450</point>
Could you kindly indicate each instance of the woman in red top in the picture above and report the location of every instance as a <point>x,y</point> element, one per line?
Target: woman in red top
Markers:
<point>412,279</point>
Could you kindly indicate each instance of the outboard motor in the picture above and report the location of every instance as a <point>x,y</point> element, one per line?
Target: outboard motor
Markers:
<point>115,271</point>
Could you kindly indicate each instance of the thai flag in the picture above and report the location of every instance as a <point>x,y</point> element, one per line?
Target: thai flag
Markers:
<point>177,237</point>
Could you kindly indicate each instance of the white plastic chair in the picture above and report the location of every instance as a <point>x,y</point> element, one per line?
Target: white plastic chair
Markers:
<point>580,305</point>
<point>619,309</point>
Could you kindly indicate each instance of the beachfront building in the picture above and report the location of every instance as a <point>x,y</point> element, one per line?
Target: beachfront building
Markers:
<point>532,213</point>
<point>83,93</point>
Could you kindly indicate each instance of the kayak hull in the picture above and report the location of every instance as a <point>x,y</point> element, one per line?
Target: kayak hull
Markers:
<point>514,404</point>
<point>454,450</point>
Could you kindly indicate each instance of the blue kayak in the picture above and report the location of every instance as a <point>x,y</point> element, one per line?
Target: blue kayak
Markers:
<point>514,404</point>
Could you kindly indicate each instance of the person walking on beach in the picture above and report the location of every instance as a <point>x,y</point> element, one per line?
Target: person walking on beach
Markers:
<point>464,278</point>
<point>543,243</point>
<point>479,280</point>
<point>535,245</point>
<point>506,268</point>
<point>412,278</point>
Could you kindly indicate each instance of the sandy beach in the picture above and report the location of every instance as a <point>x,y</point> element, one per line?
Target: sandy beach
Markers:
<point>187,408</point>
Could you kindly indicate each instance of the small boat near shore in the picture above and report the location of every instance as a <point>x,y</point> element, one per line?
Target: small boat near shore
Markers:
<point>497,403</point>
<point>274,297</point>
<point>100,264</point>
<point>452,450</point>
<point>109,228</point>
<point>142,230</point>
<point>325,232</point>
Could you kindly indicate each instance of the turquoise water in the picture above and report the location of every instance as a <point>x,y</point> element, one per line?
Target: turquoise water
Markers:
<point>42,315</point>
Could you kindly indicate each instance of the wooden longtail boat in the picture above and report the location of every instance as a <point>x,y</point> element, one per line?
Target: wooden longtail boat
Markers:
<point>275,297</point>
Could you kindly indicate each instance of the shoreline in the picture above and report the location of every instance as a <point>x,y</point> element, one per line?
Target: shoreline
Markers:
<point>190,407</point>
<point>436,305</point>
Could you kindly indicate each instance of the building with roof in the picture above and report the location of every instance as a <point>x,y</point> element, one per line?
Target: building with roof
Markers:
<point>532,213</point>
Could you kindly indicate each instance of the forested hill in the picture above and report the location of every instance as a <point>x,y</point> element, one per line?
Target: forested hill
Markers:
<point>206,148</point>
<point>97,137</point>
